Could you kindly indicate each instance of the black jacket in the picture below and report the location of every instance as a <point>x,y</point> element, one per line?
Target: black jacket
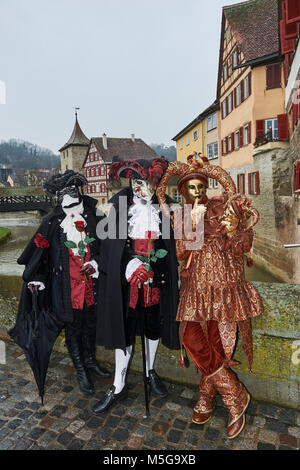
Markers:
<point>51,265</point>
<point>112,308</point>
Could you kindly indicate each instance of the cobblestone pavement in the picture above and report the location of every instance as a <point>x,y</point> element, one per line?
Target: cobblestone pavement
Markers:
<point>66,422</point>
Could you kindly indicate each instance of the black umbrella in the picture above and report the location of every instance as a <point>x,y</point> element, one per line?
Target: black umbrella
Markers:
<point>142,332</point>
<point>36,332</point>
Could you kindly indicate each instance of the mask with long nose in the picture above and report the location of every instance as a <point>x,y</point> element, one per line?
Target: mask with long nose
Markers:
<point>195,189</point>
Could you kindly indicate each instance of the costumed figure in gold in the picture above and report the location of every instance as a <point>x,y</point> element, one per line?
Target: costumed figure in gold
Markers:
<point>215,298</point>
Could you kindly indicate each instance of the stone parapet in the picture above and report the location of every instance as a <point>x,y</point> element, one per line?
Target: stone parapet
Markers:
<point>275,373</point>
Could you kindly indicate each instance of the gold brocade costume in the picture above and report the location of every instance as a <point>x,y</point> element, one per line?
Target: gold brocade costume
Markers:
<point>215,287</point>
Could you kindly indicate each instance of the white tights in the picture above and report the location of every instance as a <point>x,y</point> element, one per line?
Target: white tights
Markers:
<point>122,360</point>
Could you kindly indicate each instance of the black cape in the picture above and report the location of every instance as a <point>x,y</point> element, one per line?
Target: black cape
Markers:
<point>111,310</point>
<point>51,265</point>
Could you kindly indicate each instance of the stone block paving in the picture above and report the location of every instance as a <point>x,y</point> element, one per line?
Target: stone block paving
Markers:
<point>66,422</point>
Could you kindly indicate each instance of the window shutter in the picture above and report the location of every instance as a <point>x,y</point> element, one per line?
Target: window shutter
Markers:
<point>249,132</point>
<point>290,29</point>
<point>273,73</point>
<point>297,176</point>
<point>257,188</point>
<point>249,184</point>
<point>242,91</point>
<point>226,144</point>
<point>222,147</point>
<point>292,11</point>
<point>283,127</point>
<point>241,137</point>
<point>222,115</point>
<point>226,100</point>
<point>287,45</point>
<point>243,184</point>
<point>260,127</point>
<point>234,97</point>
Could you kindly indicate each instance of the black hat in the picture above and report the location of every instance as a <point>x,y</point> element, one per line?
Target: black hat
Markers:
<point>58,182</point>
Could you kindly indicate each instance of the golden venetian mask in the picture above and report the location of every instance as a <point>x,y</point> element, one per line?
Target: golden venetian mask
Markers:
<point>230,220</point>
<point>195,189</point>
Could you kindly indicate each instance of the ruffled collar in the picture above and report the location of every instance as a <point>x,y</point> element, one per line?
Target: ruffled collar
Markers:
<point>143,217</point>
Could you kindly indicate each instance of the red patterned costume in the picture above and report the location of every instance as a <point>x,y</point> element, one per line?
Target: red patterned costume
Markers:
<point>215,298</point>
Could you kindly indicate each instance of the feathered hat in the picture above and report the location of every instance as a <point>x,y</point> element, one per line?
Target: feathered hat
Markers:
<point>58,182</point>
<point>150,170</point>
<point>198,167</point>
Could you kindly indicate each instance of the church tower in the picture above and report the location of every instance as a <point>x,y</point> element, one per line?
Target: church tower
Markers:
<point>72,154</point>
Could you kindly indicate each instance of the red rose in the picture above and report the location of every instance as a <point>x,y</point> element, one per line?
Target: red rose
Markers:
<point>79,225</point>
<point>40,241</point>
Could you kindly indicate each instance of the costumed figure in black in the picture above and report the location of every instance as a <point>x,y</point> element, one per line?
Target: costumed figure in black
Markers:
<point>60,265</point>
<point>138,278</point>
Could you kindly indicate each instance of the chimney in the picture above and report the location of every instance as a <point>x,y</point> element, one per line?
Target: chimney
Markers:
<point>132,137</point>
<point>104,140</point>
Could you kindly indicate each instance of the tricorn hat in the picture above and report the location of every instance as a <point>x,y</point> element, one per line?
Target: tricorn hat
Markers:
<point>150,170</point>
<point>58,182</point>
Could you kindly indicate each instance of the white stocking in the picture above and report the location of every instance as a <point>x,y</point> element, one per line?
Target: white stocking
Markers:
<point>121,364</point>
<point>151,346</point>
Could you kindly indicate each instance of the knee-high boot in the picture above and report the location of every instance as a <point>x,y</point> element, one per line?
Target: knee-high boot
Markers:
<point>235,397</point>
<point>89,356</point>
<point>74,346</point>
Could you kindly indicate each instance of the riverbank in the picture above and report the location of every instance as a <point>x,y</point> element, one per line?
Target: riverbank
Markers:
<point>5,234</point>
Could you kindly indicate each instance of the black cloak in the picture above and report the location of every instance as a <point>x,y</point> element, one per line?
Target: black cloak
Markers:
<point>111,312</point>
<point>51,265</point>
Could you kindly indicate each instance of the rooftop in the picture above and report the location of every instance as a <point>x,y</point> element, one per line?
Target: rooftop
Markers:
<point>78,138</point>
<point>123,148</point>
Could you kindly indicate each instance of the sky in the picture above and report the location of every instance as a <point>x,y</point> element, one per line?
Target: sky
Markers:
<point>147,67</point>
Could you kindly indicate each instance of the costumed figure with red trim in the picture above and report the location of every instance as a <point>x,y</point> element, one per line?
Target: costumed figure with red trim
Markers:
<point>215,298</point>
<point>61,265</point>
<point>138,278</point>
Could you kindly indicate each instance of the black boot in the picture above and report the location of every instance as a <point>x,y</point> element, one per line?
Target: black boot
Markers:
<point>84,380</point>
<point>156,386</point>
<point>89,350</point>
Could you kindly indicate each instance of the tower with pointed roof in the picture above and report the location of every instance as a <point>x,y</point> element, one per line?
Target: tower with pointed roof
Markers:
<point>72,154</point>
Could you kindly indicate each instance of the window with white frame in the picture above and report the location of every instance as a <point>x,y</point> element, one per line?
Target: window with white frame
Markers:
<point>238,95</point>
<point>229,143</point>
<point>271,125</point>
<point>181,145</point>
<point>210,183</point>
<point>225,72</point>
<point>211,122</point>
<point>195,135</point>
<point>215,183</point>
<point>246,134</point>
<point>229,103</point>
<point>236,139</point>
<point>102,170</point>
<point>246,87</point>
<point>187,140</point>
<point>235,58</point>
<point>224,146</point>
<point>212,150</point>
<point>177,196</point>
<point>92,157</point>
<point>224,108</point>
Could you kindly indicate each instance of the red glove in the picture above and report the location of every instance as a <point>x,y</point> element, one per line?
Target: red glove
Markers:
<point>87,270</point>
<point>140,275</point>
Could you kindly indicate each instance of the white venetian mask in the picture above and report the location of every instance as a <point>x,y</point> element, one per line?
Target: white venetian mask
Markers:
<point>142,189</point>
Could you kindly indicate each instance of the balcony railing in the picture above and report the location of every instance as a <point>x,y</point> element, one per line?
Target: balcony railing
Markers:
<point>265,138</point>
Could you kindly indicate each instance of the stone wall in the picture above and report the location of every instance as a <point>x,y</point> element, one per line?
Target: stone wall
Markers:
<point>275,373</point>
<point>277,209</point>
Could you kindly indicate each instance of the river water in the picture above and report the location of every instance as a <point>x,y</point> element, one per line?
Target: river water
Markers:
<point>23,226</point>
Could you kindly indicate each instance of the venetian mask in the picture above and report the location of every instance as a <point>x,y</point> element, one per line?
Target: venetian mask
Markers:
<point>230,220</point>
<point>142,189</point>
<point>195,189</point>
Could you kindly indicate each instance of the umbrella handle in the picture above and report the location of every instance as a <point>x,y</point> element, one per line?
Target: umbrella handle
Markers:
<point>35,302</point>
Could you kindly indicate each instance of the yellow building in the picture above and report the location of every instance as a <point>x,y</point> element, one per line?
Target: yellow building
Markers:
<point>250,86</point>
